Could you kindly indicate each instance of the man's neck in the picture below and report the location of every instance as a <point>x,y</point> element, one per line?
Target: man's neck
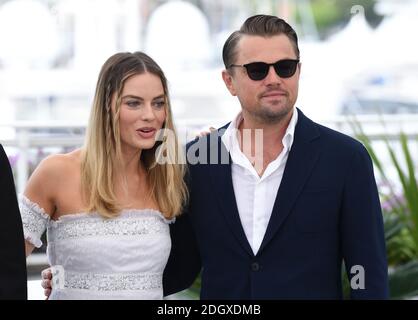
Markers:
<point>266,140</point>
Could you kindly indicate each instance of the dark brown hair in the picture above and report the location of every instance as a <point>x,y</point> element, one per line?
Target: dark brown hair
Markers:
<point>258,25</point>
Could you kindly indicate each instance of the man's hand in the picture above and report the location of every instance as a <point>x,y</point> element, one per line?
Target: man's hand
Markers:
<point>205,133</point>
<point>47,282</point>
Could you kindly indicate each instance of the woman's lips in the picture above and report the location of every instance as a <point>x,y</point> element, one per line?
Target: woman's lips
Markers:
<point>146,133</point>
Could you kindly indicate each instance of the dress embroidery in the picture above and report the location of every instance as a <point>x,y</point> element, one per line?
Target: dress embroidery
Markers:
<point>142,224</point>
<point>98,258</point>
<point>112,282</point>
<point>34,220</point>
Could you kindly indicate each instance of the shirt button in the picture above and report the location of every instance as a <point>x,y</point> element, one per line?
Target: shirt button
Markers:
<point>255,266</point>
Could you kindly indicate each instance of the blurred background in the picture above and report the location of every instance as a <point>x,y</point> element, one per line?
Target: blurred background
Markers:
<point>359,76</point>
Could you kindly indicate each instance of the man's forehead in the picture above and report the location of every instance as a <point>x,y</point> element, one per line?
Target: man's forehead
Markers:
<point>258,47</point>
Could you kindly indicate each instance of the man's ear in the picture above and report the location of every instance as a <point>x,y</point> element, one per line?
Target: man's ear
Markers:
<point>226,76</point>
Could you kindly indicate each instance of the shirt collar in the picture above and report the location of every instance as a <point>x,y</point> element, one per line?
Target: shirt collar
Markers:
<point>230,139</point>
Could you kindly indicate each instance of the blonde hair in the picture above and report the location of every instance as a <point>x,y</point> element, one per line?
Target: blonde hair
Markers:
<point>102,150</point>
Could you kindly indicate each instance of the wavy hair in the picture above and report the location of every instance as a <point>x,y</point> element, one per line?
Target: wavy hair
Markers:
<point>101,154</point>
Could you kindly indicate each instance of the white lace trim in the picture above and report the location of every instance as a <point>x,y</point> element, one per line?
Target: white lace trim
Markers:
<point>125,213</point>
<point>91,226</point>
<point>130,222</point>
<point>34,220</point>
<point>112,282</point>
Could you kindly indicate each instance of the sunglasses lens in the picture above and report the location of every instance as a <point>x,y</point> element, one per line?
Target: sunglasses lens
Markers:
<point>285,68</point>
<point>257,70</point>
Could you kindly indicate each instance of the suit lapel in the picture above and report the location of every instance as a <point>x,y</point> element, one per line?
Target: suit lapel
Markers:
<point>222,185</point>
<point>300,163</point>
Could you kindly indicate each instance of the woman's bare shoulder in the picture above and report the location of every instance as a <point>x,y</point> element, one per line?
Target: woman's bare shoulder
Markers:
<point>61,163</point>
<point>54,174</point>
<point>56,168</point>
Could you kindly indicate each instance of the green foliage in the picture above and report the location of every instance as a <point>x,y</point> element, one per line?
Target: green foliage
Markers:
<point>400,214</point>
<point>403,281</point>
<point>329,14</point>
<point>345,283</point>
<point>194,291</point>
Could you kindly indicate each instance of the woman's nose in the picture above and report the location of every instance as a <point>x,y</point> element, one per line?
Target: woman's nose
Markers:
<point>147,113</point>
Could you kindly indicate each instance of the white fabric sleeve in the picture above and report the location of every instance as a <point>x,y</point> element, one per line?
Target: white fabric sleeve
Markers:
<point>34,220</point>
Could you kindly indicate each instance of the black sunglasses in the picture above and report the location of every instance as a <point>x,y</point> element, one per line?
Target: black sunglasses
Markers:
<point>259,70</point>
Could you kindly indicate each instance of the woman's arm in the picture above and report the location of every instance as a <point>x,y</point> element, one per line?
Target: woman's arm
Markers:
<point>29,247</point>
<point>37,203</point>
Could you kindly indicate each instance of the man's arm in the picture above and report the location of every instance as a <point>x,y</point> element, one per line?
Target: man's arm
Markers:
<point>13,278</point>
<point>184,264</point>
<point>362,231</point>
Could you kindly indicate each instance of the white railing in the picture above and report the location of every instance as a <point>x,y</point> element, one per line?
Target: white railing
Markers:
<point>30,135</point>
<point>26,137</point>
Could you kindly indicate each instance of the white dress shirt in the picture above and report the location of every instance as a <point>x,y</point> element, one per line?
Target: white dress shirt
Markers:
<point>256,195</point>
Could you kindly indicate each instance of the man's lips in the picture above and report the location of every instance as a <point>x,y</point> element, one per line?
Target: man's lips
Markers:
<point>274,94</point>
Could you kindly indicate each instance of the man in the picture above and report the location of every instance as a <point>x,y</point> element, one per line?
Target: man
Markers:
<point>12,253</point>
<point>277,223</point>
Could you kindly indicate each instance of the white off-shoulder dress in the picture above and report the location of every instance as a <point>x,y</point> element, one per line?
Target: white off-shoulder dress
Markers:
<point>97,258</point>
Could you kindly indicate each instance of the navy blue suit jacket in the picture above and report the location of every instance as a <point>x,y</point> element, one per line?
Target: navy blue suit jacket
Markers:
<point>327,211</point>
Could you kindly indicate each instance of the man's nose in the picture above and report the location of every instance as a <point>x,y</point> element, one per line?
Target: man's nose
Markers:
<point>272,77</point>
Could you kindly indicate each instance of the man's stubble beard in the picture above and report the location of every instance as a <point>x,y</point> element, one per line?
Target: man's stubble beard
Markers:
<point>267,116</point>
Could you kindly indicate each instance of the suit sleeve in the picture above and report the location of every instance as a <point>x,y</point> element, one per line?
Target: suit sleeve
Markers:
<point>184,263</point>
<point>13,277</point>
<point>362,231</point>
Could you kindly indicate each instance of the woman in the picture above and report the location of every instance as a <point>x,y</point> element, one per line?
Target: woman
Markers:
<point>107,206</point>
